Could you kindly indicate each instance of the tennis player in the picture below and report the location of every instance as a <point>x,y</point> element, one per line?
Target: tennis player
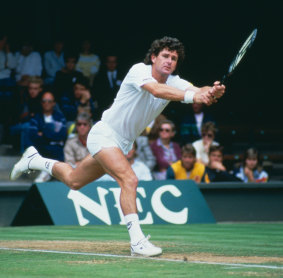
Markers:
<point>144,93</point>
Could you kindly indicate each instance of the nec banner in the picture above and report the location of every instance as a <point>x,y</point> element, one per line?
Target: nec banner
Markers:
<point>158,202</point>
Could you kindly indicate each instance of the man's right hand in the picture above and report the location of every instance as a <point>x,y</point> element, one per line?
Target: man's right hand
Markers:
<point>204,97</point>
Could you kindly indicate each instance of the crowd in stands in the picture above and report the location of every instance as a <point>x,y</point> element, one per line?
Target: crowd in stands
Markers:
<point>51,101</point>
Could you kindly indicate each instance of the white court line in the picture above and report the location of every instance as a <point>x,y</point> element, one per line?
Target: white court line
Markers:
<point>142,258</point>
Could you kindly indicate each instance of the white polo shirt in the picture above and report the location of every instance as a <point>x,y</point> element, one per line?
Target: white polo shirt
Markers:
<point>135,108</point>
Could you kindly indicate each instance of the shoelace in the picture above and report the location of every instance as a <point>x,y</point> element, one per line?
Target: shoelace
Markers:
<point>145,242</point>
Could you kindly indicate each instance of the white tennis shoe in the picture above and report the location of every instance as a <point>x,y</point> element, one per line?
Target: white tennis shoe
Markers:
<point>145,248</point>
<point>22,166</point>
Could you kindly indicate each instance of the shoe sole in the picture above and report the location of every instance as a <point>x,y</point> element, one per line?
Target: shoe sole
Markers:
<point>143,255</point>
<point>15,166</point>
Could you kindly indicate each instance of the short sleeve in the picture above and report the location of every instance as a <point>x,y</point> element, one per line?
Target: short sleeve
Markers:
<point>139,75</point>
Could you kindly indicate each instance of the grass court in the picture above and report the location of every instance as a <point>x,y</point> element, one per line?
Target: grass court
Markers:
<point>196,250</point>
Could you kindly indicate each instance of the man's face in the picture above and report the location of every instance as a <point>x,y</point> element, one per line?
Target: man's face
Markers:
<point>188,161</point>
<point>58,46</point>
<point>70,64</point>
<point>26,49</point>
<point>83,128</point>
<point>216,156</point>
<point>165,62</point>
<point>251,163</point>
<point>197,107</point>
<point>111,63</point>
<point>166,131</point>
<point>47,103</point>
<point>78,90</point>
<point>207,136</point>
<point>34,89</point>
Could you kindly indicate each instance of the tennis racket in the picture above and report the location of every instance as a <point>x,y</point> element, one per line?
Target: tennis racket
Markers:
<point>245,47</point>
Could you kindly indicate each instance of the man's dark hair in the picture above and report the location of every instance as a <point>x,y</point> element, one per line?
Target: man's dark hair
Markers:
<point>208,126</point>
<point>189,149</point>
<point>84,81</point>
<point>215,148</point>
<point>166,43</point>
<point>71,55</point>
<point>252,153</point>
<point>166,121</point>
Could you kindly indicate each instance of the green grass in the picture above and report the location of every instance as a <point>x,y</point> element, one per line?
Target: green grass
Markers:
<point>260,240</point>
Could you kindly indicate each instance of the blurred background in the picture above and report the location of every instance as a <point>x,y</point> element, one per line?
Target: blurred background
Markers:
<point>212,32</point>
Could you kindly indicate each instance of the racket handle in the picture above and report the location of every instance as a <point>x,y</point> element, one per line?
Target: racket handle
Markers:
<point>223,79</point>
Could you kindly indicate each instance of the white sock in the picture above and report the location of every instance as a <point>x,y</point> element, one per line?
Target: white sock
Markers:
<point>134,229</point>
<point>41,163</point>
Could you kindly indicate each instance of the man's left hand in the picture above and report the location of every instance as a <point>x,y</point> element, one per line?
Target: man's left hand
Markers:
<point>218,90</point>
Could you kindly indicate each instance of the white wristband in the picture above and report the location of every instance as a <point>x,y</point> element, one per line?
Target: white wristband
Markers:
<point>189,96</point>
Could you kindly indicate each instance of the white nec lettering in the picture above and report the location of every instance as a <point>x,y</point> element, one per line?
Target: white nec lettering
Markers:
<point>101,210</point>
<point>180,217</point>
<point>82,201</point>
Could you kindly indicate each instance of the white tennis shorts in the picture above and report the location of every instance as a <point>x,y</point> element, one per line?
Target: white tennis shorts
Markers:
<point>102,136</point>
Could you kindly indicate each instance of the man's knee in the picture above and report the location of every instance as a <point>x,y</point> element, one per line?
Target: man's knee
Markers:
<point>73,182</point>
<point>130,183</point>
<point>74,185</point>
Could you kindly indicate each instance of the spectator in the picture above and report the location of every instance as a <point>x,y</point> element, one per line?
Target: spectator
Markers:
<point>202,146</point>
<point>28,63</point>
<point>144,152</point>
<point>165,151</point>
<point>107,83</point>
<point>190,127</point>
<point>7,62</point>
<point>140,169</point>
<point>251,170</point>
<point>53,61</point>
<point>153,128</point>
<point>79,102</point>
<point>88,63</point>
<point>48,132</point>
<point>215,170</point>
<point>67,77</point>
<point>187,167</point>
<point>29,105</point>
<point>75,148</point>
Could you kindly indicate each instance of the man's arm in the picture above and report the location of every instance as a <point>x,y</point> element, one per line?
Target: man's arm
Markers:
<point>206,95</point>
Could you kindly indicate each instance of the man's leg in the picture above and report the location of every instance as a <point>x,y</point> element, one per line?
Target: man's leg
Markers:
<point>108,160</point>
<point>115,164</point>
<point>87,171</point>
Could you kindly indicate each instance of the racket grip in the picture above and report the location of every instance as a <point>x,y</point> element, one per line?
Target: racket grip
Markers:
<point>223,80</point>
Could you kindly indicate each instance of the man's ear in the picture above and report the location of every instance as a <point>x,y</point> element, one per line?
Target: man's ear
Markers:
<point>153,58</point>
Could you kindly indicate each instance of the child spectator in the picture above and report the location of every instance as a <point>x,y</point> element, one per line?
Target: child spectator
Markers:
<point>29,105</point>
<point>187,167</point>
<point>79,102</point>
<point>215,170</point>
<point>251,170</point>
